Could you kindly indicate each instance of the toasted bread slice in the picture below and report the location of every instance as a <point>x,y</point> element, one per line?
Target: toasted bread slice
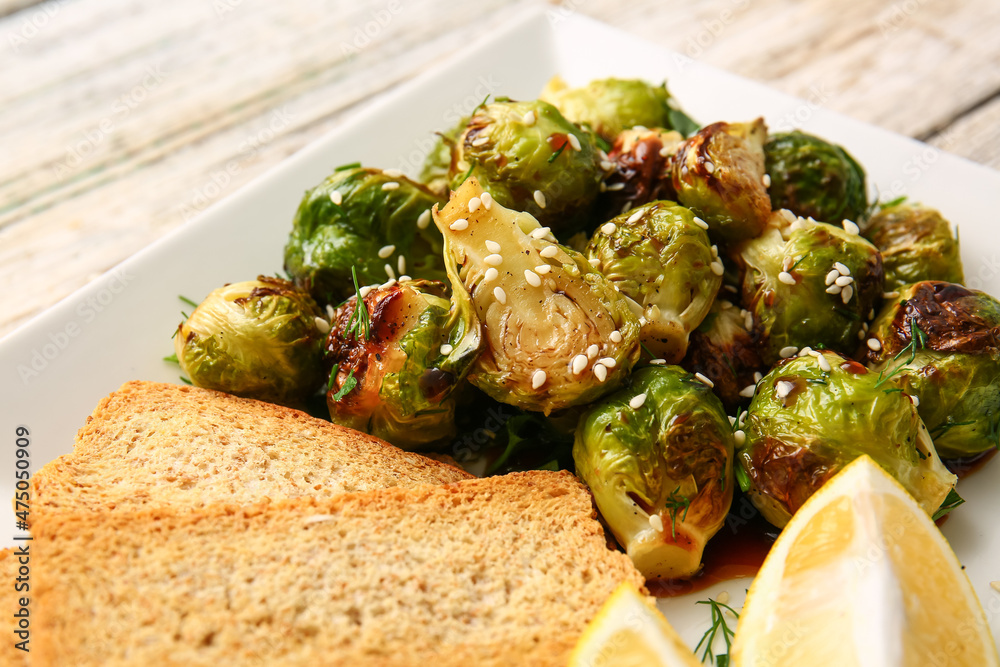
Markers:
<point>154,445</point>
<point>497,571</point>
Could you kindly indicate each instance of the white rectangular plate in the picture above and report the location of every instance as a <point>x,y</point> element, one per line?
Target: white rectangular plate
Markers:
<point>118,328</point>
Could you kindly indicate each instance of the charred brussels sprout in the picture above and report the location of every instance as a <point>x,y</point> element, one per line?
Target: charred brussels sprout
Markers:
<point>719,174</point>
<point>394,376</point>
<point>557,333</point>
<point>916,244</point>
<point>814,178</point>
<point>259,339</point>
<point>609,106</point>
<point>657,256</point>
<point>530,158</point>
<point>814,414</point>
<point>808,284</point>
<point>638,170</point>
<point>658,457</point>
<point>350,220</point>
<point>724,351</point>
<point>940,342</point>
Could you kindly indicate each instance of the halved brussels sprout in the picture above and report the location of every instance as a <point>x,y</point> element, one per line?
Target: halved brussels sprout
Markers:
<point>394,376</point>
<point>916,244</point>
<point>557,333</point>
<point>814,414</point>
<point>363,218</point>
<point>813,178</point>
<point>658,457</point>
<point>638,170</point>
<point>940,342</point>
<point>724,351</point>
<point>258,339</point>
<point>719,174</point>
<point>658,256</point>
<point>808,284</point>
<point>530,158</point>
<point>610,106</point>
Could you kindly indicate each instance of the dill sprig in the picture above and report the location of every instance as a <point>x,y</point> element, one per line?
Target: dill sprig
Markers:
<point>918,340</point>
<point>718,624</point>
<point>349,383</point>
<point>674,503</point>
<point>187,301</point>
<point>557,152</point>
<point>360,324</point>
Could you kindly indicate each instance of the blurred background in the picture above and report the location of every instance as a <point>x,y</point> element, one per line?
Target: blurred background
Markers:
<point>120,121</point>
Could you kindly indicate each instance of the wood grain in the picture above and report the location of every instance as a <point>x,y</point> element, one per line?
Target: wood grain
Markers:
<point>119,117</point>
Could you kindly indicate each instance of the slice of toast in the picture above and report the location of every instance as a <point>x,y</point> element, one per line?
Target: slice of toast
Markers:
<point>152,445</point>
<point>497,571</point>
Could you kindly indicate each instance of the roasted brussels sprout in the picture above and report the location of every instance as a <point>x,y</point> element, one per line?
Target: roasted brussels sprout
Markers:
<point>814,414</point>
<point>395,362</point>
<point>530,158</point>
<point>808,284</point>
<point>377,221</point>
<point>557,333</point>
<point>814,178</point>
<point>658,256</point>
<point>724,351</point>
<point>259,339</point>
<point>658,457</point>
<point>437,164</point>
<point>916,244</point>
<point>940,342</point>
<point>638,170</point>
<point>609,106</point>
<point>719,174</point>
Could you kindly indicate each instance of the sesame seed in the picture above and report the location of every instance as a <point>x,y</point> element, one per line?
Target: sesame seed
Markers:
<point>786,263</point>
<point>915,400</point>
<point>538,379</point>
<point>709,167</point>
<point>601,371</point>
<point>609,227</point>
<point>529,118</point>
<point>871,314</point>
<point>786,278</point>
<point>424,220</point>
<point>480,141</point>
<point>658,362</point>
<point>787,352</point>
<point>401,266</point>
<point>391,185</point>
<point>701,223</point>
<point>767,180</point>
<point>806,351</point>
<point>487,200</point>
<point>474,204</point>
<point>739,437</point>
<point>656,522</point>
<point>491,274</point>
<point>404,278</point>
<point>846,295</point>
<point>748,320</point>
<point>874,344</point>
<point>824,365</point>
<point>574,142</point>
<point>336,198</point>
<point>864,327</point>
<point>494,259</point>
<point>389,272</point>
<point>608,361</point>
<point>542,269</point>
<point>851,228</point>
<point>637,401</point>
<point>532,278</point>
<point>446,349</point>
<point>717,268</point>
<point>580,362</point>
<point>635,217</point>
<point>459,225</point>
<point>844,281</point>
<point>616,336</point>
<point>615,187</point>
<point>392,173</point>
<point>832,276</point>
<point>890,295</point>
<point>861,334</point>
<point>758,376</point>
<point>386,250</point>
<point>549,252</point>
<point>783,388</point>
<point>387,284</point>
<point>842,269</point>
<point>539,233</point>
<point>834,289</point>
<point>748,391</point>
<point>607,166</point>
<point>704,379</point>
<point>493,246</point>
<point>322,325</point>
<point>329,308</point>
<point>539,198</point>
<point>500,295</point>
<point>787,215</point>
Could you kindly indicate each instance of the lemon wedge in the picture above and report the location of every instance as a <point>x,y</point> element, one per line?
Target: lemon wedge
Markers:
<point>861,577</point>
<point>628,631</point>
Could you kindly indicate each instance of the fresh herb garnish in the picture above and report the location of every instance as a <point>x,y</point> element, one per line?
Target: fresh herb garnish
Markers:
<point>796,264</point>
<point>742,478</point>
<point>892,202</point>
<point>952,501</point>
<point>187,301</point>
<point>647,351</point>
<point>469,173</point>
<point>736,420</point>
<point>918,340</point>
<point>360,323</point>
<point>941,429</point>
<point>172,359</point>
<point>349,383</point>
<point>682,122</point>
<point>718,624</point>
<point>602,143</point>
<point>333,376</point>
<point>185,380</point>
<point>557,152</point>
<point>674,503</point>
<point>482,104</point>
<point>186,316</point>
<point>897,390</point>
<point>345,167</point>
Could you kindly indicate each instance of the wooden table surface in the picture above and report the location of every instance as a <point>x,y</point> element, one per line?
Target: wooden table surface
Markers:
<point>115,116</point>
